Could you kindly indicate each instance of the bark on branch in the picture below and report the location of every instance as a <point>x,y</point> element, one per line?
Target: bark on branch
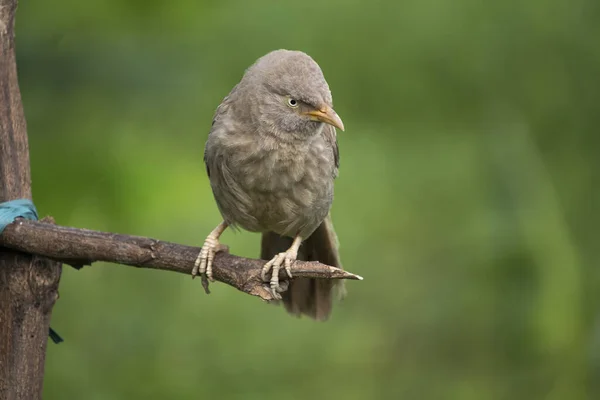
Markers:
<point>79,247</point>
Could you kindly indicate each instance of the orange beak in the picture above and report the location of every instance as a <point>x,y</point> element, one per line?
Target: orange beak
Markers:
<point>327,115</point>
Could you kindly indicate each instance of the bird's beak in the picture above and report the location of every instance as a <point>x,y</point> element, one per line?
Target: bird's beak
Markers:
<point>327,115</point>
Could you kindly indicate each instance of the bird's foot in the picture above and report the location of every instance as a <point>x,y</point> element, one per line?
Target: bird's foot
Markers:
<point>284,259</point>
<point>204,261</point>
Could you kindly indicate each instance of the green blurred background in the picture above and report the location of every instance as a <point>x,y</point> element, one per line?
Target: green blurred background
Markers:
<point>467,197</point>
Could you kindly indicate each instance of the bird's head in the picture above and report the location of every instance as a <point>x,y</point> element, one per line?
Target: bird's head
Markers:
<point>288,95</point>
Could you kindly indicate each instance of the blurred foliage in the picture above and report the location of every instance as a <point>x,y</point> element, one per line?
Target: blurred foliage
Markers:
<point>467,197</point>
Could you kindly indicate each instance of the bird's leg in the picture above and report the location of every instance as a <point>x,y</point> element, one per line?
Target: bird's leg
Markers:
<point>203,264</point>
<point>284,259</point>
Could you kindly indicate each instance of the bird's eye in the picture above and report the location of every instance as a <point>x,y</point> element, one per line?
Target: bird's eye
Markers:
<point>292,102</point>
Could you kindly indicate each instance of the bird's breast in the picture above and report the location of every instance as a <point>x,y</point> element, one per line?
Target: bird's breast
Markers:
<point>272,167</point>
<point>287,187</point>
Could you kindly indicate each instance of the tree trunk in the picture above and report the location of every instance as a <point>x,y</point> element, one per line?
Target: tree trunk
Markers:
<point>28,284</point>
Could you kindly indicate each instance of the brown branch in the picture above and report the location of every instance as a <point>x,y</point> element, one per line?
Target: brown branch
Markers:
<point>80,247</point>
<point>28,284</point>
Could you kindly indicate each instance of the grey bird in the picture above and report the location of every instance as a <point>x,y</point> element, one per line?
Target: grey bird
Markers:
<point>272,157</point>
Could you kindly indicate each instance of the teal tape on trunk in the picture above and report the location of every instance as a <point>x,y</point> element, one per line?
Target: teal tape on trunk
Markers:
<point>11,210</point>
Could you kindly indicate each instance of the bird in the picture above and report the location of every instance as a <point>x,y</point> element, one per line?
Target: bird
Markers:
<point>272,157</point>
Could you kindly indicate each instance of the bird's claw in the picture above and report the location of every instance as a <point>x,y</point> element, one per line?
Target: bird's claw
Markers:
<point>284,259</point>
<point>204,261</point>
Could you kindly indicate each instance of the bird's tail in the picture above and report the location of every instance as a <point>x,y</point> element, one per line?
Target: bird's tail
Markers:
<point>312,297</point>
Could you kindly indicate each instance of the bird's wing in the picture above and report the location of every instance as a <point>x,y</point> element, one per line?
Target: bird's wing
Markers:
<point>219,112</point>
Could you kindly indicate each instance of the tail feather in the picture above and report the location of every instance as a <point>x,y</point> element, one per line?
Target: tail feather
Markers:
<point>311,297</point>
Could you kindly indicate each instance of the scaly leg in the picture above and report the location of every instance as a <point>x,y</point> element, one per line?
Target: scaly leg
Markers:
<point>286,258</point>
<point>203,264</point>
